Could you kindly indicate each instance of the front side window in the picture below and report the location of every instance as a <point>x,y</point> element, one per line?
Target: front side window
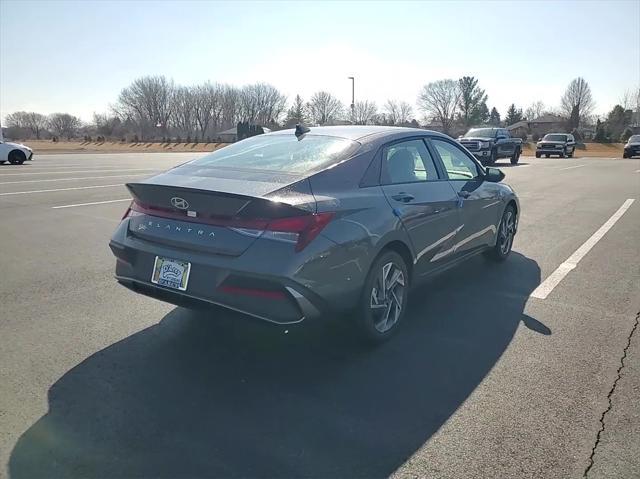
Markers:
<point>458,165</point>
<point>408,162</point>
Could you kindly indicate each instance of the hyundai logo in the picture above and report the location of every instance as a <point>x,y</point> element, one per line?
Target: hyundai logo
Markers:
<point>179,203</point>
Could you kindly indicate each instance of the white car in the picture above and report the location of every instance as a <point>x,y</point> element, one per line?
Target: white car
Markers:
<point>14,153</point>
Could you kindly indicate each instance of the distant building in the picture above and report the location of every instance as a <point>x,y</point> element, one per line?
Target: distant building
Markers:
<point>231,135</point>
<point>542,125</point>
<point>519,128</point>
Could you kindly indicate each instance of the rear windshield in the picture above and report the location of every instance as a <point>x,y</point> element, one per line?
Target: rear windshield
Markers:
<point>282,153</point>
<point>481,133</point>
<point>555,137</point>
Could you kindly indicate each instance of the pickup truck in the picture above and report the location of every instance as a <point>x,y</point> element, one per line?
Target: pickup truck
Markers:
<point>491,144</point>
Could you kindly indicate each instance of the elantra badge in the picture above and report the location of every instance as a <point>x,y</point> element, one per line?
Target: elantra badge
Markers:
<point>179,203</point>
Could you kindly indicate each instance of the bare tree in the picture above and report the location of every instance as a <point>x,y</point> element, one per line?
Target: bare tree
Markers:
<point>577,102</point>
<point>397,112</point>
<point>64,124</point>
<point>535,110</point>
<point>207,106</point>
<point>324,108</point>
<point>630,100</point>
<point>439,100</point>
<point>148,102</point>
<point>17,119</point>
<point>230,107</point>
<point>36,122</point>
<point>363,112</point>
<point>261,104</point>
<point>183,110</point>
<point>106,125</point>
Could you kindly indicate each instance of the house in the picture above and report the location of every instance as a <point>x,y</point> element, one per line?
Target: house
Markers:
<point>518,129</point>
<point>548,123</point>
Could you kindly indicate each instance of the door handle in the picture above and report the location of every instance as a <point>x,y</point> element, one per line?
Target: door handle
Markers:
<point>464,194</point>
<point>403,197</point>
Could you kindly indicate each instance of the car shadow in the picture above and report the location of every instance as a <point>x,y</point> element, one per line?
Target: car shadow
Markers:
<point>210,394</point>
<point>509,165</point>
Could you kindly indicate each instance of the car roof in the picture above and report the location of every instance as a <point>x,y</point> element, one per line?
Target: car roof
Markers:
<point>356,132</point>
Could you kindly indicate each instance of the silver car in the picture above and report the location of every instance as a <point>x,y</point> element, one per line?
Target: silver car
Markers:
<point>293,225</point>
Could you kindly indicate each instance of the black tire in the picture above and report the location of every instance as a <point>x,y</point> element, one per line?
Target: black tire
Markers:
<point>502,248</point>
<point>492,159</point>
<point>538,155</point>
<point>624,155</point>
<point>16,157</point>
<point>2,162</point>
<point>546,155</point>
<point>371,323</point>
<point>570,155</point>
<point>515,157</point>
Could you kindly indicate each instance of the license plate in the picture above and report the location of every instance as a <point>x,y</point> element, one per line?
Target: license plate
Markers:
<point>171,273</point>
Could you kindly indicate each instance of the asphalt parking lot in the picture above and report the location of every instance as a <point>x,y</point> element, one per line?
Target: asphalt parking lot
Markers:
<point>530,368</point>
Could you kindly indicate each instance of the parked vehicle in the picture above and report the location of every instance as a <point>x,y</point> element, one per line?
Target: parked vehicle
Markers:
<point>632,147</point>
<point>14,153</point>
<point>288,225</point>
<point>491,144</point>
<point>561,144</point>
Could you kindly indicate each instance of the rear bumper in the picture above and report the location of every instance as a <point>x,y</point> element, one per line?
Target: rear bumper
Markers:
<point>279,300</point>
<point>179,298</point>
<point>266,282</point>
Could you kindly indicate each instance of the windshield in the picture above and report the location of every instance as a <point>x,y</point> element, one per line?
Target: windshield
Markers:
<point>283,153</point>
<point>634,139</point>
<point>555,137</point>
<point>481,133</point>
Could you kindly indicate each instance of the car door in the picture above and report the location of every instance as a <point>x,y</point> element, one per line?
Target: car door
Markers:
<point>479,201</point>
<point>505,145</point>
<point>422,198</point>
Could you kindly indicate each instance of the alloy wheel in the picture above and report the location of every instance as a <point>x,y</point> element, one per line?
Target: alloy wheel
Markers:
<point>507,232</point>
<point>387,296</point>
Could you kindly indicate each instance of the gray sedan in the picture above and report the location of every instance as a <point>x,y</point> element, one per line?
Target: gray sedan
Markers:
<point>292,225</point>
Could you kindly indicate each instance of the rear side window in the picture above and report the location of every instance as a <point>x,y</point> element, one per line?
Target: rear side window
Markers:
<point>457,164</point>
<point>408,162</point>
<point>283,153</point>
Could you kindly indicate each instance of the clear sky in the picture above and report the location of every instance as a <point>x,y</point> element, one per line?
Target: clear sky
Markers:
<point>76,56</point>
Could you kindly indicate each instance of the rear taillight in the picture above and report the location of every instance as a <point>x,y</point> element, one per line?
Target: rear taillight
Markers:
<point>127,212</point>
<point>300,230</point>
<point>131,212</point>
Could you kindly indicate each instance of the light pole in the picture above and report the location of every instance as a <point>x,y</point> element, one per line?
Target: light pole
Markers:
<point>353,95</point>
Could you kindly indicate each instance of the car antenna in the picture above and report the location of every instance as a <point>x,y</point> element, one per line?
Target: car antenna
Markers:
<point>301,130</point>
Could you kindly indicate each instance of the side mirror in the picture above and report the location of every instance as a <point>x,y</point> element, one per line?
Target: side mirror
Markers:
<point>494,175</point>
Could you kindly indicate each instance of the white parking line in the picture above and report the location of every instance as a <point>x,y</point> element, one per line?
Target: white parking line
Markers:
<point>69,179</point>
<point>571,167</point>
<point>543,290</point>
<point>59,189</point>
<point>92,203</point>
<point>637,171</point>
<point>81,171</point>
